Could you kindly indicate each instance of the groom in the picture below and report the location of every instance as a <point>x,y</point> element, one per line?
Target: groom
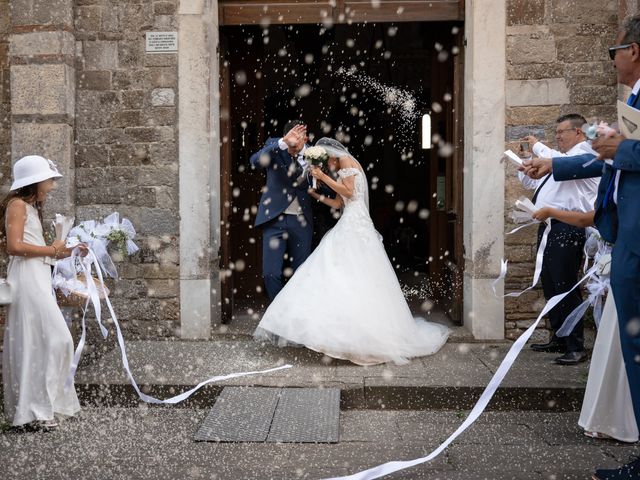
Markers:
<point>284,213</point>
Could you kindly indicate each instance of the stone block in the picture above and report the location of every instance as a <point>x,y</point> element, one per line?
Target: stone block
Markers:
<point>94,80</point>
<point>157,222</point>
<point>532,115</point>
<point>53,141</point>
<point>164,8</point>
<point>167,197</point>
<point>143,134</point>
<point>5,17</point>
<point>527,49</point>
<point>126,118</point>
<point>89,18</point>
<point>42,90</point>
<point>42,43</point>
<point>116,194</point>
<point>132,99</point>
<point>5,86</point>
<point>91,156</point>
<point>4,56</point>
<point>130,154</point>
<point>95,108</point>
<point>165,153</point>
<point>160,60</point>
<point>551,91</point>
<point>100,55</point>
<point>606,113</point>
<point>516,132</point>
<point>582,49</point>
<point>519,253</point>
<point>37,12</point>
<point>593,95</point>
<point>534,71</point>
<point>160,116</point>
<point>130,79</point>
<point>110,20</point>
<point>158,175</point>
<point>135,18</point>
<point>163,77</point>
<point>131,53</point>
<point>584,11</point>
<point>163,97</point>
<point>163,288</point>
<point>525,12</point>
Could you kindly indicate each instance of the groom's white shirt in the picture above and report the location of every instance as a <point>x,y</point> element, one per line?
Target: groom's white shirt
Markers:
<point>294,207</point>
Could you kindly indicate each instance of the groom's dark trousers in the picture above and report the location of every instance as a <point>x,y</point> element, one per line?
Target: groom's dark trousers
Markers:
<point>282,232</point>
<point>285,234</point>
<point>618,221</point>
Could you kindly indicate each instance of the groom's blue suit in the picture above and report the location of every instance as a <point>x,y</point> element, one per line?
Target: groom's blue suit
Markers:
<point>282,233</point>
<point>619,223</point>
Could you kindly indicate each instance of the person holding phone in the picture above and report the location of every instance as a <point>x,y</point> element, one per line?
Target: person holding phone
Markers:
<point>563,254</point>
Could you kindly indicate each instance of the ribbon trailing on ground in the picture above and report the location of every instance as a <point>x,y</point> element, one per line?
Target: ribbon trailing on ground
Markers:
<point>86,264</point>
<point>479,407</point>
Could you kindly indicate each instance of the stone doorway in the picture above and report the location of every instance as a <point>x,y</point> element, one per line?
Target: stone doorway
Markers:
<point>416,193</point>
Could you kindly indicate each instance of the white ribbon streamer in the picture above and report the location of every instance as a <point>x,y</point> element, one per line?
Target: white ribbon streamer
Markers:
<point>539,259</point>
<point>479,407</point>
<point>94,298</point>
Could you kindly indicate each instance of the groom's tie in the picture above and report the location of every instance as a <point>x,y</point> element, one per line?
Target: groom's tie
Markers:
<point>611,188</point>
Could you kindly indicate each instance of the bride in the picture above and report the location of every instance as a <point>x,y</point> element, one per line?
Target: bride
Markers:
<point>345,300</point>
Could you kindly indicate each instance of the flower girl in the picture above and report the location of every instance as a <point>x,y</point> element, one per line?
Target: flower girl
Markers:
<point>38,348</point>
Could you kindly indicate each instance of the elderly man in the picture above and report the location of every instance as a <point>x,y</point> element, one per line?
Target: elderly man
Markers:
<point>563,254</point>
<point>617,217</point>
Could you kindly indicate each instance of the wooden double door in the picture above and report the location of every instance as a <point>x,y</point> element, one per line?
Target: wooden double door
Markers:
<point>287,67</point>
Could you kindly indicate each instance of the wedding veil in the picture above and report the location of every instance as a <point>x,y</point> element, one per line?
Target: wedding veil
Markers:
<point>335,149</point>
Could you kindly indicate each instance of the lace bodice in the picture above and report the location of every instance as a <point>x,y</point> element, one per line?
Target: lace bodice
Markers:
<point>360,189</point>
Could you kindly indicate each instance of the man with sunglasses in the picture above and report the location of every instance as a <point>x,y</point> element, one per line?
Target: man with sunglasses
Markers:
<point>617,217</point>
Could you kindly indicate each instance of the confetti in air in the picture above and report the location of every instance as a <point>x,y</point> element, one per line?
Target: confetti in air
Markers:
<point>402,103</point>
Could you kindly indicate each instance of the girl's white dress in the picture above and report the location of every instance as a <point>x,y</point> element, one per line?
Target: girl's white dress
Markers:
<point>607,406</point>
<point>345,299</point>
<point>38,348</point>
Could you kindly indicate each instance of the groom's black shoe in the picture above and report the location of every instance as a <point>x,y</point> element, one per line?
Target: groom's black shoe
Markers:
<point>554,346</point>
<point>571,358</point>
<point>630,471</point>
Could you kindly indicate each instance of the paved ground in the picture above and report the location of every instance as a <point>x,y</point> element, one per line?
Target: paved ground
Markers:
<point>156,443</point>
<point>388,413</point>
<point>453,378</point>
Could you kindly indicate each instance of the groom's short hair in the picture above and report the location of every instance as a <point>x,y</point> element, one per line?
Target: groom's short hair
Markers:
<point>290,124</point>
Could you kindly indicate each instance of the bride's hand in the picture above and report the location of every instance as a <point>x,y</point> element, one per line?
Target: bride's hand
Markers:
<point>317,173</point>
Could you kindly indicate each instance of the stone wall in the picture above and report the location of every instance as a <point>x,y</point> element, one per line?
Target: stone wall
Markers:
<point>5,121</point>
<point>126,150</point>
<point>557,63</point>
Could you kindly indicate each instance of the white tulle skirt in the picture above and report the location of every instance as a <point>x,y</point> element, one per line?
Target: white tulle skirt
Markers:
<point>345,301</point>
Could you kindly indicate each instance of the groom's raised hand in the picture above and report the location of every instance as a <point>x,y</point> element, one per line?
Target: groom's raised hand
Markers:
<point>296,137</point>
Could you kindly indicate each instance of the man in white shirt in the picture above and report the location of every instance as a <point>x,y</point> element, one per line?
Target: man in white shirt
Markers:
<point>563,254</point>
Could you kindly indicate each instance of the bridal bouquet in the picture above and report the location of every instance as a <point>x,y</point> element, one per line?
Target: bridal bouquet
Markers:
<point>318,157</point>
<point>98,236</point>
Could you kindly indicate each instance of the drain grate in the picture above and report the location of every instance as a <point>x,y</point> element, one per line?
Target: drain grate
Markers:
<point>240,414</point>
<point>285,415</point>
<point>306,415</point>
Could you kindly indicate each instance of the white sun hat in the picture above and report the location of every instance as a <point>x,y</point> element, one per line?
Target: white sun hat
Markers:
<point>33,169</point>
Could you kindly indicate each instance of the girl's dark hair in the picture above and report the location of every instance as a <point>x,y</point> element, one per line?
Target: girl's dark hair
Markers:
<point>28,193</point>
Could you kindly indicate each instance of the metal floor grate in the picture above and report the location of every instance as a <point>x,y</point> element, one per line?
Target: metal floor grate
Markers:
<point>285,415</point>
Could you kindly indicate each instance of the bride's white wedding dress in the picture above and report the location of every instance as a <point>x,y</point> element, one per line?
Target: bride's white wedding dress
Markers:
<point>345,300</point>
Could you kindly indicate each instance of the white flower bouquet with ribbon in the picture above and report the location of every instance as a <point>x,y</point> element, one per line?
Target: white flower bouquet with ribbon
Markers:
<point>69,279</point>
<point>316,156</point>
